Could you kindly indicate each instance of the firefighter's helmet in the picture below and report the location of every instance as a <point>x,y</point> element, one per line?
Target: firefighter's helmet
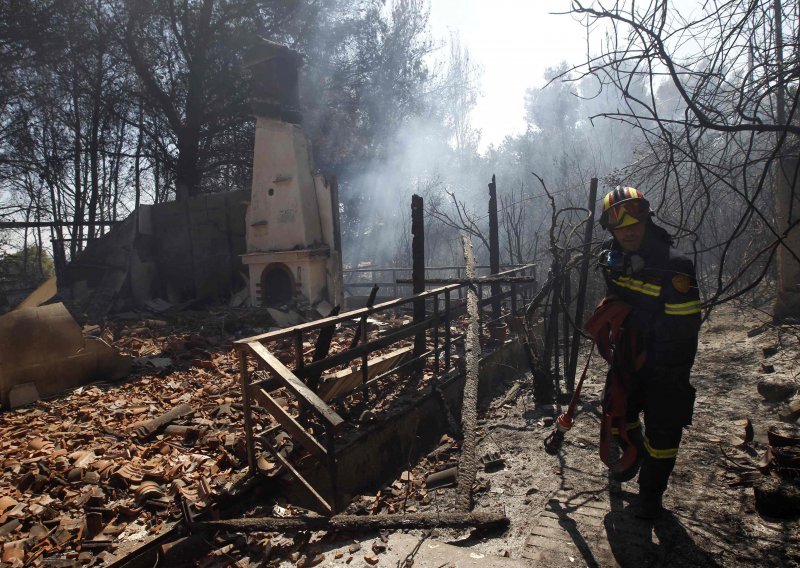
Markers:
<point>623,207</point>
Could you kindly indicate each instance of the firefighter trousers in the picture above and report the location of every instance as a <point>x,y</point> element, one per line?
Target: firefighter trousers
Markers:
<point>667,399</point>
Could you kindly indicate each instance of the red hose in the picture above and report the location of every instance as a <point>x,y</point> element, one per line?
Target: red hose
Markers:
<point>565,421</point>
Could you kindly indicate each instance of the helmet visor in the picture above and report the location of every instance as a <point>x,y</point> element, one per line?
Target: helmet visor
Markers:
<point>625,214</point>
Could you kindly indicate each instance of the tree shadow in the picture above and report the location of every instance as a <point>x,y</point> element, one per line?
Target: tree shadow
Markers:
<point>571,527</point>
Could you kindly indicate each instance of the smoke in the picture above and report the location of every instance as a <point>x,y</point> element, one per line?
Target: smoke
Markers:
<point>561,144</point>
<point>377,198</point>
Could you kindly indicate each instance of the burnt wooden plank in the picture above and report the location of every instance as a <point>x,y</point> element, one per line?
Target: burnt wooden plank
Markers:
<point>322,348</point>
<point>362,523</point>
<point>328,509</point>
<point>362,324</point>
<point>347,379</point>
<point>295,385</point>
<point>294,428</point>
<point>365,348</point>
<point>248,413</point>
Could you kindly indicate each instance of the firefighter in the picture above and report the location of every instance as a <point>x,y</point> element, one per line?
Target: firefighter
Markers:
<point>642,271</point>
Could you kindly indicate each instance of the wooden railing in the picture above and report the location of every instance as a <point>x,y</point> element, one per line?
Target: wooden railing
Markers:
<point>316,401</point>
<point>395,282</point>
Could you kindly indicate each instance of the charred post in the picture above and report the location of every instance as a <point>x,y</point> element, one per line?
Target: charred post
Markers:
<point>418,267</point>
<point>582,279</point>
<point>494,247</point>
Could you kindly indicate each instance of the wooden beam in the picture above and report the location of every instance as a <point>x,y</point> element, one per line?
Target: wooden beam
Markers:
<point>290,381</point>
<point>248,412</point>
<point>418,273</point>
<point>369,347</point>
<point>360,523</point>
<point>294,428</point>
<point>301,479</point>
<point>494,247</point>
<point>346,380</point>
<point>467,466</point>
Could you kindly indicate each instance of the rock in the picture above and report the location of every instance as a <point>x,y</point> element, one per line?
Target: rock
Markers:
<point>777,497</point>
<point>767,368</point>
<point>791,412</point>
<point>311,560</point>
<point>323,308</point>
<point>353,548</point>
<point>22,394</point>
<point>371,559</point>
<point>774,388</point>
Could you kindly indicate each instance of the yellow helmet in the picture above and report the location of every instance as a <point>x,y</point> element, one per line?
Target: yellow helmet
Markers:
<point>623,207</point>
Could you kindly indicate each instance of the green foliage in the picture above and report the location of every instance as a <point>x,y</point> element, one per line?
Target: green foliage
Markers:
<point>25,268</point>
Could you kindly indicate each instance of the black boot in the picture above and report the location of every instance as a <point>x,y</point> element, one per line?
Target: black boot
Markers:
<point>650,507</point>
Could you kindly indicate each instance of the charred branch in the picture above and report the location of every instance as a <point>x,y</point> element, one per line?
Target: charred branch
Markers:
<point>359,523</point>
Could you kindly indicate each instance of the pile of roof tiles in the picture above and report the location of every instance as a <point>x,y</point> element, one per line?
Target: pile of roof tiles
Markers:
<point>82,474</point>
<point>92,473</point>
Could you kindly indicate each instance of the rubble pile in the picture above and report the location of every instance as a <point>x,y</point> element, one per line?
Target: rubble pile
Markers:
<point>88,473</point>
<point>775,476</point>
<point>96,468</point>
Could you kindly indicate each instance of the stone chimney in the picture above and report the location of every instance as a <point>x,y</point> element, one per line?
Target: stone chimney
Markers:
<point>293,214</point>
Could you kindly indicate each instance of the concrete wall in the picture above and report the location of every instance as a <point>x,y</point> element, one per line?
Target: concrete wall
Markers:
<point>197,246</point>
<point>176,251</point>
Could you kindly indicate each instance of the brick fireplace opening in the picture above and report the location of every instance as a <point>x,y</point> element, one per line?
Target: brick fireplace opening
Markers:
<point>277,285</point>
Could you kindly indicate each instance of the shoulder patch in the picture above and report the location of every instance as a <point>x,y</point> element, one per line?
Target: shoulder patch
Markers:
<point>681,283</point>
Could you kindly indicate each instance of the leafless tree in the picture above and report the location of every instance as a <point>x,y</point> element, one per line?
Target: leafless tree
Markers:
<point>719,120</point>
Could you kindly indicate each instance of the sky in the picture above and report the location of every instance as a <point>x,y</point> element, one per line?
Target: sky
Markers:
<point>513,41</point>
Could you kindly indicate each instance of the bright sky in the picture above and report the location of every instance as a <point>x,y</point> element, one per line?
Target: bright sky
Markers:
<point>514,41</point>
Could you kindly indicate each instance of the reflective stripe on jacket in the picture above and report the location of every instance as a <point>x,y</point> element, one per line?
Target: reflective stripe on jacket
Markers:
<point>664,298</point>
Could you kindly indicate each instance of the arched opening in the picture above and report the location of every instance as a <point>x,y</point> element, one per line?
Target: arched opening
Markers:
<point>277,284</point>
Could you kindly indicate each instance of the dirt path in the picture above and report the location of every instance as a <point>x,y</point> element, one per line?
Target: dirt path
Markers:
<point>565,512</point>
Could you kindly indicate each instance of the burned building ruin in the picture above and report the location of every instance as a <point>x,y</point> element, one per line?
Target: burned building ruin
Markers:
<point>281,242</point>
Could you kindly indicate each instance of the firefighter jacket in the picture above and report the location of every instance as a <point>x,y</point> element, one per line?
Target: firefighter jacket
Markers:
<point>661,288</point>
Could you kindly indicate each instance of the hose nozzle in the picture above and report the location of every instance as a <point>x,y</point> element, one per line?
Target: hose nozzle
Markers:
<point>553,442</point>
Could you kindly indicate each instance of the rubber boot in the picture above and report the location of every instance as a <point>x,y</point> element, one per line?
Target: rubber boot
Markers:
<point>650,507</point>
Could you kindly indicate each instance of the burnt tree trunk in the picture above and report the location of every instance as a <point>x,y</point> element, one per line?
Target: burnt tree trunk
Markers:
<point>582,279</point>
<point>469,409</point>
